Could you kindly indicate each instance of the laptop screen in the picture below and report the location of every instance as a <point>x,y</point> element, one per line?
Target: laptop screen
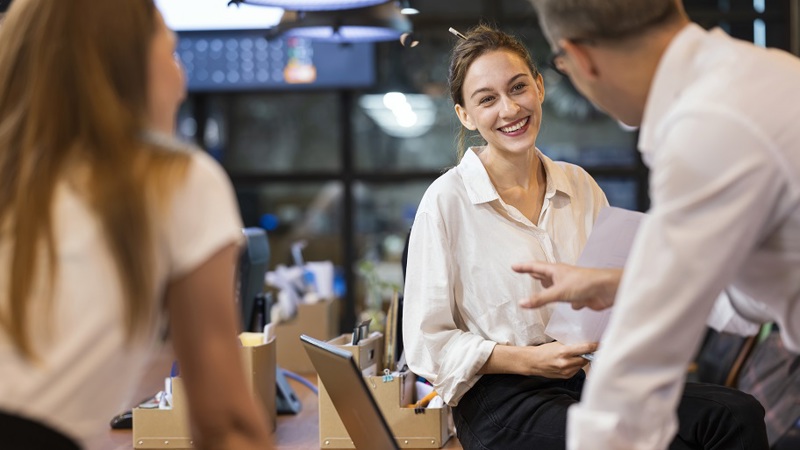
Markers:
<point>350,396</point>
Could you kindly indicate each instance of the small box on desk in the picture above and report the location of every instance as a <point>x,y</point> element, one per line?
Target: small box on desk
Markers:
<point>411,429</point>
<point>169,428</point>
<point>319,320</point>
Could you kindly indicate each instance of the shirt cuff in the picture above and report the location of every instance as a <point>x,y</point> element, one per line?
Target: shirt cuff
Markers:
<point>724,318</point>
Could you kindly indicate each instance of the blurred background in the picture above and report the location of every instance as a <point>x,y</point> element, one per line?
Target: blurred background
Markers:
<point>318,152</point>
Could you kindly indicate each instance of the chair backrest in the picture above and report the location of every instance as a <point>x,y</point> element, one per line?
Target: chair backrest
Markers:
<point>772,375</point>
<point>253,265</point>
<point>403,261</point>
<point>722,356</point>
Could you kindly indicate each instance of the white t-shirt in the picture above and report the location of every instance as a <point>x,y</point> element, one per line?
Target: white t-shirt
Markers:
<point>460,296</point>
<point>87,370</point>
<point>721,136</point>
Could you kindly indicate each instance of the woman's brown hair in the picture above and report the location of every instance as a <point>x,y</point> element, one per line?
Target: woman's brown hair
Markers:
<point>73,108</point>
<point>475,43</point>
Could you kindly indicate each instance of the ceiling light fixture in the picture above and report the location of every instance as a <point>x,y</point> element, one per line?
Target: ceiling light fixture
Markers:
<point>407,8</point>
<point>204,15</point>
<point>400,115</point>
<point>396,105</point>
<point>409,40</point>
<point>311,5</point>
<point>381,22</point>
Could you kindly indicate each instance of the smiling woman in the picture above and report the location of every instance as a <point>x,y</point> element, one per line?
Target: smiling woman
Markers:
<point>503,95</point>
<point>504,202</point>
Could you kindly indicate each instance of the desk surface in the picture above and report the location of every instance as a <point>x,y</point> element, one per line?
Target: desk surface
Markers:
<point>294,432</point>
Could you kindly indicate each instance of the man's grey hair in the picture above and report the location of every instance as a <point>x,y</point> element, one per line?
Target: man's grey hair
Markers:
<point>603,19</point>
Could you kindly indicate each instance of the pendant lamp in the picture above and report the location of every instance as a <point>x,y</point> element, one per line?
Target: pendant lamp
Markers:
<point>361,21</point>
<point>311,5</point>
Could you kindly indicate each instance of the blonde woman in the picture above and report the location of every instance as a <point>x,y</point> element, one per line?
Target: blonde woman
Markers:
<point>110,232</point>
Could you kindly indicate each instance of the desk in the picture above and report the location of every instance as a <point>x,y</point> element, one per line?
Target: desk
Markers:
<point>294,432</point>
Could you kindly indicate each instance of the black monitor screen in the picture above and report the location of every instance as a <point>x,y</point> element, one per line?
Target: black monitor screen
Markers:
<point>245,60</point>
<point>253,265</point>
<point>227,47</point>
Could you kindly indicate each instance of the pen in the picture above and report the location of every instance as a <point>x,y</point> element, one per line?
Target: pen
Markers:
<point>424,402</point>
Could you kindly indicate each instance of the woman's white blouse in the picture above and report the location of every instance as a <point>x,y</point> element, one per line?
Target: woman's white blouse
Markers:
<point>460,296</point>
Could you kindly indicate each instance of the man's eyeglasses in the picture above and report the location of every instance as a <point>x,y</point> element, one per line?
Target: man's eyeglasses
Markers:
<point>555,57</point>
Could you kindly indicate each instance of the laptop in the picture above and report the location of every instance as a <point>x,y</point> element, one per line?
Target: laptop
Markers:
<point>350,395</point>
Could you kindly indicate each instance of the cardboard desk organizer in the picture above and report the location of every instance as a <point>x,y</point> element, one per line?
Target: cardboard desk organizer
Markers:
<point>169,428</point>
<point>319,320</point>
<point>427,428</point>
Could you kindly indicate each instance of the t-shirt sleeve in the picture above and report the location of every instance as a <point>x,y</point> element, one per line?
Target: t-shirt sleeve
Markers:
<point>204,216</point>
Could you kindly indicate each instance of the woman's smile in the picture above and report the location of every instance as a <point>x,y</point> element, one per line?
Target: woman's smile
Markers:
<point>516,128</point>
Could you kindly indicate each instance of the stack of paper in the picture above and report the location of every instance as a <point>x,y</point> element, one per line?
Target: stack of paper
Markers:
<point>608,246</point>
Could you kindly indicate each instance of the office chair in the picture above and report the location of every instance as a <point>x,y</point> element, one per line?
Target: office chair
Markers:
<point>403,263</point>
<point>727,360</point>
<point>722,356</point>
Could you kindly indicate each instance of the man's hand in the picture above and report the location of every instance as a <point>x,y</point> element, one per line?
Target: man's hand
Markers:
<point>593,288</point>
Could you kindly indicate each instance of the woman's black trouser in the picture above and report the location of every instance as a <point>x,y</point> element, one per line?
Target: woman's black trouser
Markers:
<point>508,412</point>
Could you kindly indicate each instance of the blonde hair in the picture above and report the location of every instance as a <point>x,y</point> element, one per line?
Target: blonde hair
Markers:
<point>73,93</point>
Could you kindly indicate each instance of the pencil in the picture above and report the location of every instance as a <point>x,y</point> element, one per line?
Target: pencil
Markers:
<point>424,402</point>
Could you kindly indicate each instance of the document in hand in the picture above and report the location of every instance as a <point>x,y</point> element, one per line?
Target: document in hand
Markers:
<point>608,246</point>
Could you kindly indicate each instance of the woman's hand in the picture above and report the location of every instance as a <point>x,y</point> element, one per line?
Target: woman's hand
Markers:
<point>552,360</point>
<point>556,360</point>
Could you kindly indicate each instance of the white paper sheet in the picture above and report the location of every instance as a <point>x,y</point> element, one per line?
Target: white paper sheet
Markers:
<point>608,246</point>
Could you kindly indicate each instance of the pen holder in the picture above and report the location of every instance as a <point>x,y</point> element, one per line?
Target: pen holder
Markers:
<point>319,320</point>
<point>431,429</point>
<point>169,428</point>
<point>368,354</point>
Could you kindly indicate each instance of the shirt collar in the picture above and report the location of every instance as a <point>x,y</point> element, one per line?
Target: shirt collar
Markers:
<point>672,76</point>
<point>481,190</point>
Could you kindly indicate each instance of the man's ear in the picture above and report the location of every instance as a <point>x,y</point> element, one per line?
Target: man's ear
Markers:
<point>582,58</point>
<point>464,118</point>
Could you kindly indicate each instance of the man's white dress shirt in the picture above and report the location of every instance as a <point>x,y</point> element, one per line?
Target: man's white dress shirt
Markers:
<point>460,296</point>
<point>721,135</point>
